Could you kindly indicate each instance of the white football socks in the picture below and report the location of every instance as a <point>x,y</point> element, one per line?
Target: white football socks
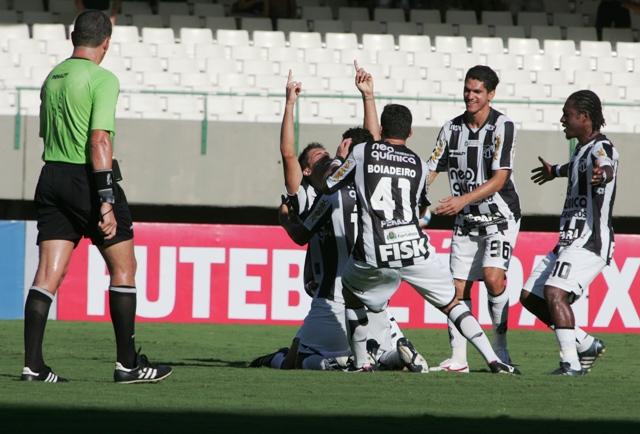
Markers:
<point>457,341</point>
<point>499,311</point>
<point>583,339</point>
<point>471,330</point>
<point>357,330</point>
<point>568,351</point>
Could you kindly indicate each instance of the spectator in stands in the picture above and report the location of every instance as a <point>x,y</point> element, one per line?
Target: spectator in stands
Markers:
<point>109,7</point>
<point>612,13</point>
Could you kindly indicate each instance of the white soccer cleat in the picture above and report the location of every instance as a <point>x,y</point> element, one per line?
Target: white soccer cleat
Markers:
<point>450,365</point>
<point>411,358</point>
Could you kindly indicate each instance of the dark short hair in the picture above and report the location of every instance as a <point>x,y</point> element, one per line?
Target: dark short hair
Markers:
<point>396,122</point>
<point>486,75</point>
<point>586,101</point>
<point>303,158</point>
<point>90,29</point>
<point>357,135</point>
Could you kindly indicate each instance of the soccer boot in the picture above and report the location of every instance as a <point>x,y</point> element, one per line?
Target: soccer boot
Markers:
<point>267,358</point>
<point>591,354</point>
<point>411,358</point>
<point>144,372</point>
<point>498,367</point>
<point>450,365</point>
<point>565,370</point>
<point>45,375</point>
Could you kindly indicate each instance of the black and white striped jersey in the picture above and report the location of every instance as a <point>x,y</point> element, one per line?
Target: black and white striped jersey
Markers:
<point>303,200</point>
<point>333,222</point>
<point>390,183</point>
<point>470,158</point>
<point>586,216</point>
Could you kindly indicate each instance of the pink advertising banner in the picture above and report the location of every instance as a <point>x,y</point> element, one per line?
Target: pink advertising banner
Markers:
<point>253,274</point>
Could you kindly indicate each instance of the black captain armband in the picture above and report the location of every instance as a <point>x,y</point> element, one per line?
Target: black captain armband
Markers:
<point>104,185</point>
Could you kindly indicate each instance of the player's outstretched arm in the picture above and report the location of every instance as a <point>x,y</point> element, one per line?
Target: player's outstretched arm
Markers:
<point>452,205</point>
<point>364,83</point>
<point>101,161</point>
<point>290,165</point>
<point>546,172</point>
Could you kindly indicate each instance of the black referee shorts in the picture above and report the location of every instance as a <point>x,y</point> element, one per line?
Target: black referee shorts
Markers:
<point>68,206</point>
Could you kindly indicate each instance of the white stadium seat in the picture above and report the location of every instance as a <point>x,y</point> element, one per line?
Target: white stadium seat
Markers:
<point>451,44</point>
<point>152,35</point>
<point>470,31</point>
<point>287,54</point>
<point>125,34</point>
<point>49,32</point>
<point>305,40</point>
<point>341,40</point>
<point>147,20</point>
<point>388,14</point>
<point>319,55</point>
<point>523,46</point>
<point>252,24</point>
<point>538,62</point>
<point>595,49</point>
<point>378,42</point>
<point>208,10</point>
<point>189,37</point>
<point>506,32</point>
<point>545,32</point>
<point>415,43</point>
<point>481,45</point>
<point>232,37</point>
<point>328,26</point>
<point>494,18</point>
<point>460,17</point>
<point>582,34</point>
<point>268,39</point>
<point>243,52</point>
<point>317,13</point>
<point>425,16</point>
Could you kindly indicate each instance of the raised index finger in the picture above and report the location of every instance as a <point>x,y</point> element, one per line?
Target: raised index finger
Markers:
<point>290,77</point>
<point>355,64</point>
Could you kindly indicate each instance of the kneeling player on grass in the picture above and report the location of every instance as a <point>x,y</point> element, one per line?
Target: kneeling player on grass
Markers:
<point>586,233</point>
<point>390,182</point>
<point>321,342</point>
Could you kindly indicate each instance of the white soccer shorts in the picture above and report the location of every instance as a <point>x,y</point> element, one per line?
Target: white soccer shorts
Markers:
<point>572,270</point>
<point>323,331</point>
<point>471,254</point>
<point>375,286</point>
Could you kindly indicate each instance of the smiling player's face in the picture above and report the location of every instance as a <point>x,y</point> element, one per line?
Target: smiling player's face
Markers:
<point>476,97</point>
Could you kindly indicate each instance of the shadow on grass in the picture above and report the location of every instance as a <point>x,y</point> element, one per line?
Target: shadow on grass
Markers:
<point>209,363</point>
<point>27,420</point>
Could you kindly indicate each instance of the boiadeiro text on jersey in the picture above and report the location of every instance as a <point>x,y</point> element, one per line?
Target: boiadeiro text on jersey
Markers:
<point>390,170</point>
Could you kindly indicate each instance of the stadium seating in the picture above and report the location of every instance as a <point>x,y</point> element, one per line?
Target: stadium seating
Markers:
<point>544,54</point>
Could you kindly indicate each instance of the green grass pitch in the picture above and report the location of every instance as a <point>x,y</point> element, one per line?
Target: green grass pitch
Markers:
<point>211,390</point>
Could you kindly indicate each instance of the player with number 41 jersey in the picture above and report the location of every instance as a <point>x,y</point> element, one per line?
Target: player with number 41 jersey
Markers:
<point>389,217</point>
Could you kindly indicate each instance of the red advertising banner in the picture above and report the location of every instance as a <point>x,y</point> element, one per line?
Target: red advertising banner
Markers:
<point>253,274</point>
